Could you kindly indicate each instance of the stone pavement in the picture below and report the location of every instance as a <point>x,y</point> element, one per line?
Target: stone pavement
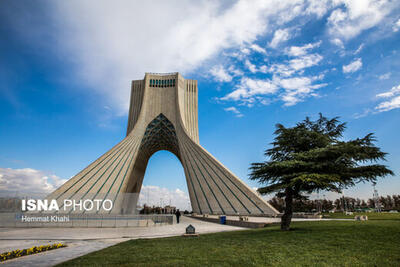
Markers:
<point>81,241</point>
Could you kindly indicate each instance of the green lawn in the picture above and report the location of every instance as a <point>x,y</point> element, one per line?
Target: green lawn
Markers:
<point>371,215</point>
<point>329,243</point>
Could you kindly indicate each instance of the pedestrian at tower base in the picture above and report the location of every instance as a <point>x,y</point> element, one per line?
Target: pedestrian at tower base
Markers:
<point>163,115</point>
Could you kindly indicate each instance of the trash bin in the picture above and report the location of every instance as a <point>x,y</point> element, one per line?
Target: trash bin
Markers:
<point>222,219</point>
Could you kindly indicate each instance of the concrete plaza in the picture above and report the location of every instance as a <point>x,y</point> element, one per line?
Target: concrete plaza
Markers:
<point>81,241</point>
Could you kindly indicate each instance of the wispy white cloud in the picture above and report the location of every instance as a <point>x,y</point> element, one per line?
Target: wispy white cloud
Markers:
<point>301,61</point>
<point>353,66</point>
<point>338,42</point>
<point>295,89</point>
<point>27,182</point>
<point>282,69</point>
<point>250,87</point>
<point>392,92</point>
<point>258,48</point>
<point>305,61</point>
<point>250,66</point>
<point>235,71</point>
<point>359,49</point>
<point>318,7</point>
<point>350,18</point>
<point>220,74</point>
<point>298,88</point>
<point>245,51</point>
<point>302,50</point>
<point>234,111</point>
<point>393,102</point>
<point>396,26</point>
<point>385,76</point>
<point>362,114</point>
<point>263,69</point>
<point>280,36</point>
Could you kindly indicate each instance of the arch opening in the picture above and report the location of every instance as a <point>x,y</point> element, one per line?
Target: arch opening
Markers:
<point>159,137</point>
<point>164,183</point>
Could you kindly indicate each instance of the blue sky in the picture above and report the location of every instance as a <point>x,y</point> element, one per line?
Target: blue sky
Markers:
<point>66,66</point>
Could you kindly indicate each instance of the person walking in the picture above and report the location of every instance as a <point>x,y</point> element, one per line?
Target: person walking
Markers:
<point>178,215</point>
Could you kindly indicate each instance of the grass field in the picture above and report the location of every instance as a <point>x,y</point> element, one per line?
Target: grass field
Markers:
<point>328,243</point>
<point>371,215</point>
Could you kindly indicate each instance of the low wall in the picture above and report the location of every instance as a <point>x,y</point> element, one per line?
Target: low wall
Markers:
<point>26,220</point>
<point>306,215</point>
<point>238,223</point>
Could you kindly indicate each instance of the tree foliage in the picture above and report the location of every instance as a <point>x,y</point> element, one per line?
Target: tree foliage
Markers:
<point>312,156</point>
<point>342,204</point>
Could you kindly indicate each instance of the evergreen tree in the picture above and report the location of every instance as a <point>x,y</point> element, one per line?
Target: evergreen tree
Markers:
<point>311,157</point>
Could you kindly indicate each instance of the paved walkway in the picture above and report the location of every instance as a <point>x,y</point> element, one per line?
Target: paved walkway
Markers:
<point>81,241</point>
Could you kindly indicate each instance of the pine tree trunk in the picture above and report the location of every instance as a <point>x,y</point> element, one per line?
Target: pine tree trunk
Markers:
<point>287,216</point>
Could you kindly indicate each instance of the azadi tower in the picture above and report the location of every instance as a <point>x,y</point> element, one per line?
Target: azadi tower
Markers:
<point>163,115</point>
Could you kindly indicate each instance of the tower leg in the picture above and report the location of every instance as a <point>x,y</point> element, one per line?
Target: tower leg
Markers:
<point>213,188</point>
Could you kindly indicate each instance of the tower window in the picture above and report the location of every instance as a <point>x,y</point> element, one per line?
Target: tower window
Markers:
<point>162,83</point>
